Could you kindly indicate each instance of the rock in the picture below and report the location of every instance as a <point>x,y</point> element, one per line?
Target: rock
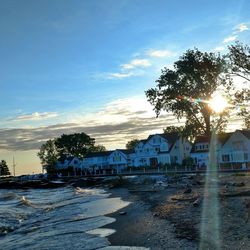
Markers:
<point>197,202</point>
<point>241,184</point>
<point>187,191</point>
<point>122,212</point>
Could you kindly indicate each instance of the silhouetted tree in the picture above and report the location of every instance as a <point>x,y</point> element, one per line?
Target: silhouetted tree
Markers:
<point>78,144</point>
<point>172,129</point>
<point>4,170</point>
<point>196,76</point>
<point>131,144</point>
<point>239,55</point>
<point>48,155</point>
<point>98,148</point>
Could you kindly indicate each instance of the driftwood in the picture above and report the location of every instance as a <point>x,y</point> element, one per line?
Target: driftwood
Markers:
<point>137,191</point>
<point>235,194</point>
<point>197,202</point>
<point>193,198</point>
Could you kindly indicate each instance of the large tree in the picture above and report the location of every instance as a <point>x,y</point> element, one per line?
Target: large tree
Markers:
<point>58,149</point>
<point>4,170</point>
<point>78,144</point>
<point>239,55</point>
<point>48,155</point>
<point>181,90</point>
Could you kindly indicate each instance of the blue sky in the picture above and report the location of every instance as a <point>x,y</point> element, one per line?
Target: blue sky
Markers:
<point>84,65</point>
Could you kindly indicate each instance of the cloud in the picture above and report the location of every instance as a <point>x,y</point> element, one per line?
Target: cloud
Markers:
<point>229,39</point>
<point>136,63</point>
<point>35,116</point>
<point>112,126</point>
<point>219,48</point>
<point>120,75</point>
<point>240,28</point>
<point>159,53</point>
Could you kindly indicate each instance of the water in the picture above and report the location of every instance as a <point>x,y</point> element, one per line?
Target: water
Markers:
<point>64,218</point>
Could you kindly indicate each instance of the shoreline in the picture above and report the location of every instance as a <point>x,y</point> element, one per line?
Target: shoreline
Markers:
<point>167,218</point>
<point>167,212</point>
<point>140,227</point>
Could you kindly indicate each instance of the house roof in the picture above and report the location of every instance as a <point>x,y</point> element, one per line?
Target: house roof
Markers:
<point>170,137</point>
<point>99,154</point>
<point>245,132</point>
<point>202,139</point>
<point>222,138</point>
<point>126,151</point>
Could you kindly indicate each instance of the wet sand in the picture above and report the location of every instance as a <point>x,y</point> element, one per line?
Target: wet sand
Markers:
<point>140,227</point>
<point>167,218</point>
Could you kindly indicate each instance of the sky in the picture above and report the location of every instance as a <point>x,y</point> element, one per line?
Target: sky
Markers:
<point>84,66</point>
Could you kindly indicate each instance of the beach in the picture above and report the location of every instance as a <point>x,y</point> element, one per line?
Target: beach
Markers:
<point>167,217</point>
<point>140,227</point>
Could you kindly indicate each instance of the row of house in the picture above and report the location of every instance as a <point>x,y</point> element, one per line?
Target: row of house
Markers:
<point>232,149</point>
<point>161,149</point>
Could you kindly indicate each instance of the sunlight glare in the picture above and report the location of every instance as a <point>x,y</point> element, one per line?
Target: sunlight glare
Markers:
<point>218,103</point>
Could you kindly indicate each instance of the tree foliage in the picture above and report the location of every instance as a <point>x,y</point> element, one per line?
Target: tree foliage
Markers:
<point>131,144</point>
<point>4,170</point>
<point>239,55</point>
<point>58,149</point>
<point>78,144</point>
<point>48,155</point>
<point>172,129</point>
<point>196,75</point>
<point>98,148</point>
<point>242,102</point>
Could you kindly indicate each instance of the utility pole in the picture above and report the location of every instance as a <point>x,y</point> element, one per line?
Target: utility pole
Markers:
<point>14,167</point>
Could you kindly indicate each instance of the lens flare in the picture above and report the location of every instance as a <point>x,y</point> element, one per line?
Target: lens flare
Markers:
<point>218,103</point>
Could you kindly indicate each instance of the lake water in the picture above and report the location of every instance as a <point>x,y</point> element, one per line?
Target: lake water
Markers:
<point>64,218</point>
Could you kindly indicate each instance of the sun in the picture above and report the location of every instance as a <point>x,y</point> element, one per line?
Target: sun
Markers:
<point>218,103</point>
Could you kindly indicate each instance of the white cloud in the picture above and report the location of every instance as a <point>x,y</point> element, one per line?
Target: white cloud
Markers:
<point>136,63</point>
<point>219,48</point>
<point>159,53</point>
<point>35,116</point>
<point>120,75</point>
<point>240,28</point>
<point>113,125</point>
<point>229,39</point>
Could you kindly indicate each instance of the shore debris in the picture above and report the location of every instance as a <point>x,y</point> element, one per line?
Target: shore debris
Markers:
<point>123,213</point>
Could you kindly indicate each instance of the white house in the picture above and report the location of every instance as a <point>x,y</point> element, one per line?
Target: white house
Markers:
<point>160,149</point>
<point>116,159</point>
<point>200,151</point>
<point>201,148</point>
<point>71,161</point>
<point>236,150</point>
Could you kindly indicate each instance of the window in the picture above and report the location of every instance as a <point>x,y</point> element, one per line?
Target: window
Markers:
<point>245,156</point>
<point>174,159</point>
<point>226,158</point>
